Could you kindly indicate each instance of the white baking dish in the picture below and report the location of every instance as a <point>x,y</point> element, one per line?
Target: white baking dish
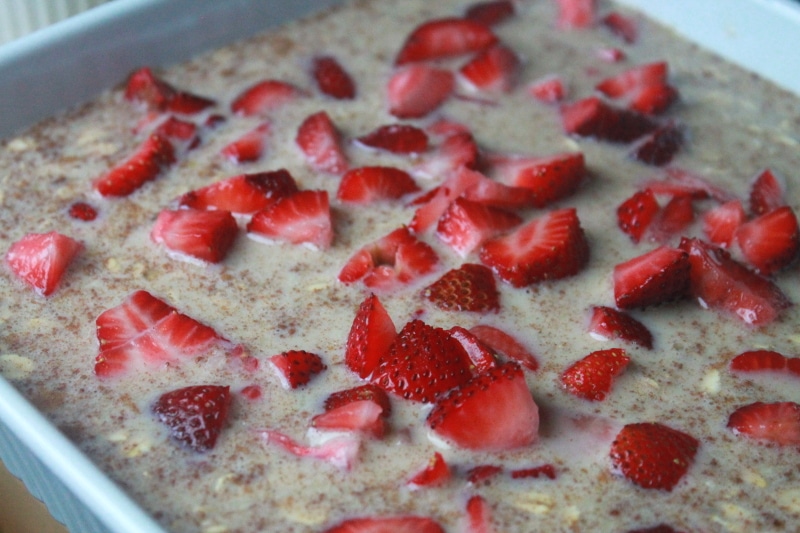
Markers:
<point>75,59</point>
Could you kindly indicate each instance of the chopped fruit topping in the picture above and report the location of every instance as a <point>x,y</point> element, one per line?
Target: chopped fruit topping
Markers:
<point>250,146</point>
<point>591,378</point>
<point>435,474</point>
<point>607,323</point>
<point>635,214</point>
<point>652,455</point>
<point>550,247</point>
<point>399,524</point>
<point>481,356</point>
<point>479,516</point>
<point>180,131</point>
<point>660,146</point>
<point>764,361</point>
<point>252,392</point>
<point>416,90</point>
<point>505,344</point>
<point>195,415</point>
<point>146,330</point>
<point>778,422</point>
<point>576,14</point>
<point>673,218</point>
<point>192,233</point>
<point>370,337</point>
<point>548,471</point>
<point>368,391</point>
<point>623,26</point>
<point>437,202</point>
<point>447,37</point>
<point>490,12</point>
<point>82,211</point>
<point>643,88</point>
<point>143,86</point>
<point>244,194</point>
<point>494,411</point>
<point>467,224</point>
<point>767,193</point>
<point>469,288</point>
<point>332,79</point>
<point>340,452</point>
<point>495,194</point>
<point>146,163</point>
<point>366,185</point>
<point>719,282</point>
<point>363,416</point>
<point>591,117</point>
<point>611,54</point>
<point>679,182</point>
<point>41,259</point>
<point>396,138</point>
<point>771,241</point>
<point>296,368</point>
<point>422,363</point>
<point>456,151</point>
<point>495,69</point>
<point>482,473</point>
<point>550,178</point>
<point>265,96</point>
<point>721,222</point>
<point>302,218</point>
<point>320,142</point>
<point>658,276</point>
<point>550,89</point>
<point>660,528</point>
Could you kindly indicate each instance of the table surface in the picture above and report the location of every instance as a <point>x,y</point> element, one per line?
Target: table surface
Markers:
<point>20,512</point>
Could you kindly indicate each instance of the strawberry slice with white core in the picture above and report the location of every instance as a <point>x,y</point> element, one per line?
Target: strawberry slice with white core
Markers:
<point>482,357</point>
<point>637,213</point>
<point>594,118</point>
<point>506,345</point>
<point>550,178</point>
<point>332,79</point>
<point>492,193</point>
<point>495,69</point>
<point>658,276</point>
<point>42,259</point>
<point>456,151</point>
<point>607,323</point>
<point>435,474</point>
<point>470,287</point>
<point>146,331</point>
<point>721,222</point>
<point>360,416</point>
<point>396,138</point>
<point>265,96</point>
<point>367,185</point>
<point>467,224</point>
<point>673,219</point>
<point>453,186</point>
<point>490,12</point>
<point>767,192</point>
<point>195,415</point>
<point>765,361</point>
<point>393,524</point>
<point>194,235</point>
<point>592,377</point>
<point>552,246</point>
<point>416,90</point>
<point>302,218</point>
<point>494,411</point>
<point>145,87</point>
<point>371,335</point>
<point>674,181</point>
<point>340,451</point>
<point>550,89</point>
<point>576,14</point>
<point>642,88</point>
<point>146,163</point>
<point>250,146</point>
<point>776,423</point>
<point>296,368</point>
<point>770,242</point>
<point>244,194</point>
<point>321,143</point>
<point>444,38</point>
<point>478,517</point>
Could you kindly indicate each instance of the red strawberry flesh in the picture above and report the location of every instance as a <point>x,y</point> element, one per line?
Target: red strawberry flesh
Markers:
<point>195,415</point>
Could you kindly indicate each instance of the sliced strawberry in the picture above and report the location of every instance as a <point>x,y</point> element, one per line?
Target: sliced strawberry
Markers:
<point>611,54</point>
<point>82,211</point>
<point>368,391</point>
<point>719,282</point>
<point>551,178</point>
<point>145,164</point>
<point>482,474</point>
<point>465,225</point>
<point>550,247</point>
<point>642,88</point>
<point>195,415</point>
<point>332,79</point>
<point>456,151</point>
<point>576,14</point>
<point>546,470</point>
<point>777,423</point>
<point>490,12</point>
<point>360,416</point>
<point>591,378</point>
<point>416,90</point>
<point>180,132</point>
<point>492,193</point>
<point>146,330</point>
<point>660,528</point>
<point>366,185</point>
<point>265,96</point>
<point>479,353</point>
<point>478,516</point>
<point>395,524</point>
<point>250,146</point>
<point>296,368</point>
<point>447,37</point>
<point>494,411</point>
<point>660,146</point>
<point>371,335</point>
<point>652,455</point>
<point>194,234</point>
<point>435,206</point>
<point>341,452</point>
<point>721,222</point>
<point>422,363</point>
<point>673,219</point>
<point>637,213</point>
<point>607,323</point>
<point>658,276</point>
<point>470,287</point>
<point>771,241</point>
<point>623,26</point>
<point>435,474</point>
<point>42,259</point>
<point>144,86</point>
<point>396,138</point>
<point>244,194</point>
<point>549,89</point>
<point>767,192</point>
<point>765,361</point>
<point>321,143</point>
<point>505,345</point>
<point>674,181</point>
<point>301,218</point>
<point>495,69</point>
<point>591,117</point>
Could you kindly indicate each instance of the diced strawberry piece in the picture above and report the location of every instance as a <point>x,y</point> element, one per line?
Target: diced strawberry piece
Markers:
<point>658,276</point>
<point>765,361</point>
<point>492,193</point>
<point>551,178</point>
<point>767,192</point>
<point>470,287</point>
<point>180,132</point>
<point>144,86</point>
<point>676,181</point>
<point>435,474</point>
<point>611,54</point>
<point>652,455</point>
<point>478,516</point>
<point>192,233</point>
<point>623,26</point>
<point>490,12</point>
<point>444,127</point>
<point>265,96</point>
<point>777,423</point>
<point>673,218</point>
<point>660,146</point>
<point>660,528</point>
<point>332,79</point>
<point>576,14</point>
<point>591,378</point>
<point>550,247</point>
<point>366,185</point>
<point>340,452</point>
<point>42,259</point>
<point>252,392</point>
<point>250,146</point>
<point>653,100</point>
<point>396,138</point>
<point>360,416</point>
<point>482,474</point>
<point>422,363</point>
<point>145,164</point>
<point>494,411</point>
<point>642,88</point>
<point>447,37</point>
<point>591,117</point>
<point>416,90</point>
<point>296,368</point>
<point>550,89</point>
<point>721,222</point>
<point>495,69</point>
<point>398,524</point>
<point>506,345</point>
<point>368,391</point>
<point>371,335</point>
<point>607,323</point>
<point>771,241</point>
<point>719,282</point>
<point>82,211</point>
<point>547,470</point>
<point>244,194</point>
<point>195,415</point>
<point>146,330</point>
<point>467,224</point>
<point>320,142</point>
<point>479,353</point>
<point>636,214</point>
<point>454,186</point>
<point>302,218</point>
<point>456,151</point>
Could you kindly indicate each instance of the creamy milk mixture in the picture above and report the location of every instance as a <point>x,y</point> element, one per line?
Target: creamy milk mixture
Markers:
<point>273,298</point>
